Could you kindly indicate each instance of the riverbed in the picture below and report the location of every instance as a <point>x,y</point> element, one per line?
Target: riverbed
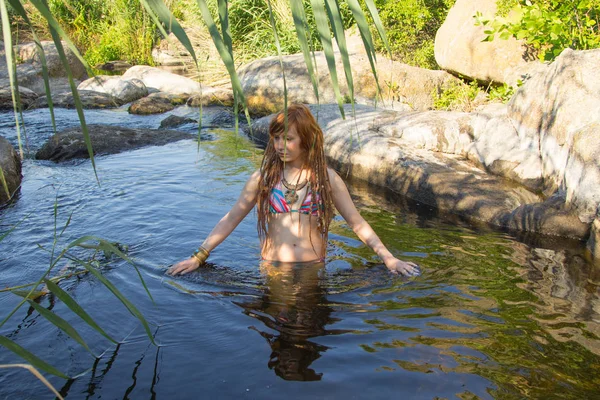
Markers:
<point>491,316</point>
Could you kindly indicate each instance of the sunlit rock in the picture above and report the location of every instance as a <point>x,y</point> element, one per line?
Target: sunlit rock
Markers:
<point>459,46</point>
<point>560,112</point>
<point>126,90</point>
<point>262,82</point>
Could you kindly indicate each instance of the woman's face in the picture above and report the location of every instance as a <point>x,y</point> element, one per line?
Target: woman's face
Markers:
<point>288,147</point>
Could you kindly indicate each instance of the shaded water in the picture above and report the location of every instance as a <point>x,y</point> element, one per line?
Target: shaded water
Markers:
<point>490,317</point>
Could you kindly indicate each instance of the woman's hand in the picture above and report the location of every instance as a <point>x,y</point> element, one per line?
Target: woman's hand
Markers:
<point>405,268</point>
<point>184,266</point>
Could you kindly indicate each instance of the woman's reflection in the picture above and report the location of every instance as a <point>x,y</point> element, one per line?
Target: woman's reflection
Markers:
<point>294,304</point>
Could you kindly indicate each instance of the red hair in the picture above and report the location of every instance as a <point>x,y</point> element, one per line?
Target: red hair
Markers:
<point>311,142</point>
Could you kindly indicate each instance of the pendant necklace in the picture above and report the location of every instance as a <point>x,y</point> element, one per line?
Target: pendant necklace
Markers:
<point>291,193</point>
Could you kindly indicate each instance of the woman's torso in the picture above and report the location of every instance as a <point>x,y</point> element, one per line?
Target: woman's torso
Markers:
<point>293,232</point>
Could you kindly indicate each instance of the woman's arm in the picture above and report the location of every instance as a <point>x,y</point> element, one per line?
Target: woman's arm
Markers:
<point>226,225</point>
<point>344,204</point>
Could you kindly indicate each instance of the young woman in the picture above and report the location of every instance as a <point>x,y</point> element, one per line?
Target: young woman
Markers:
<point>295,193</point>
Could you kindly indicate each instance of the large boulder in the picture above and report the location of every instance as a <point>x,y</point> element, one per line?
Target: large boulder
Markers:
<point>559,111</point>
<point>163,81</point>
<point>10,165</point>
<point>29,70</point>
<point>106,139</point>
<point>126,90</point>
<point>423,156</point>
<point>28,53</point>
<point>459,47</point>
<point>262,82</point>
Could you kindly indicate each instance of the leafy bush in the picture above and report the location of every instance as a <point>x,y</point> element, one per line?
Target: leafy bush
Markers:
<point>547,26</point>
<point>411,26</point>
<point>457,96</point>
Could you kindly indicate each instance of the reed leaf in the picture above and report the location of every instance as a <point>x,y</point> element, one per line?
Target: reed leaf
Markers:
<point>61,324</point>
<point>167,18</point>
<point>323,29</point>
<point>30,357</point>
<point>57,33</point>
<point>108,249</point>
<point>278,45</point>
<point>300,23</point>
<point>110,286</point>
<point>335,17</point>
<point>76,308</point>
<point>16,4</point>
<point>42,7</point>
<point>378,25</point>
<point>37,374</point>
<point>367,39</point>
<point>12,71</point>
<point>221,47</point>
<point>4,184</point>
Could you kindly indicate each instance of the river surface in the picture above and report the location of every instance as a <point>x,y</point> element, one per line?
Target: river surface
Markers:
<point>491,317</point>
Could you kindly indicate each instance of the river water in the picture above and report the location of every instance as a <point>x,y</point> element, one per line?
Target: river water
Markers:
<point>491,316</point>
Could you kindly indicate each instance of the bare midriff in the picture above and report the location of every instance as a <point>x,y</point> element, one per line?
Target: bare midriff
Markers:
<point>293,237</point>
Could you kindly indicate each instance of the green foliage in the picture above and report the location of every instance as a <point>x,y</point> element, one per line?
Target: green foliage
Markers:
<point>411,26</point>
<point>457,96</point>
<point>547,26</point>
<point>501,93</point>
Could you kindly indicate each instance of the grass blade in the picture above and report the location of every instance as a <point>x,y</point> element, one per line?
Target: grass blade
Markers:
<point>46,76</point>
<point>278,45</point>
<point>4,184</point>
<point>378,25</point>
<point>108,249</point>
<point>30,357</point>
<point>60,323</point>
<point>37,374</point>
<point>300,23</point>
<point>335,17</point>
<point>11,67</point>
<point>323,29</point>
<point>54,25</point>
<point>57,33</point>
<point>367,39</point>
<point>130,307</point>
<point>76,308</point>
<point>167,18</point>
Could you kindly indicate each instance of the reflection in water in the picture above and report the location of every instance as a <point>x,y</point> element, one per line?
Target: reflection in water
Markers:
<point>293,304</point>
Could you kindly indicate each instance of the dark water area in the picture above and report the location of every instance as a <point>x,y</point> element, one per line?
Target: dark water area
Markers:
<point>491,317</point>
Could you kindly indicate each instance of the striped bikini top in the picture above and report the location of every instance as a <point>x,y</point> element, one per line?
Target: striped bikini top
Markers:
<point>278,204</point>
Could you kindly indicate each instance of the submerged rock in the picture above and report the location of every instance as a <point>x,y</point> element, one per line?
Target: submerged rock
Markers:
<point>173,121</point>
<point>106,139</point>
<point>10,162</point>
